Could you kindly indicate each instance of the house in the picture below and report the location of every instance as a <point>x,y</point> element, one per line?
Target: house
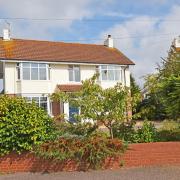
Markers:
<point>175,48</point>
<point>35,69</point>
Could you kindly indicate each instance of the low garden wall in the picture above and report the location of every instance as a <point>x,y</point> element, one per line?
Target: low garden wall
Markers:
<point>145,154</point>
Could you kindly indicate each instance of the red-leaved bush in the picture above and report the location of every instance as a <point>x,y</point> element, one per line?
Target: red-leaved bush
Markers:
<point>92,150</point>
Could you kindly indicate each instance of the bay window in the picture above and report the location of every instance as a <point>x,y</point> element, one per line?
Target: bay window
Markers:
<point>111,73</point>
<point>33,71</point>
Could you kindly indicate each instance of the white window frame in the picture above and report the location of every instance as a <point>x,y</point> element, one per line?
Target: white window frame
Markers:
<point>113,68</point>
<point>20,67</point>
<point>73,69</point>
<point>30,99</point>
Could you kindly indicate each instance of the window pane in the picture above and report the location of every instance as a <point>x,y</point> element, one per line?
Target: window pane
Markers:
<point>26,65</point>
<point>28,99</point>
<point>42,74</point>
<point>36,99</point>
<point>117,75</point>
<point>42,65</point>
<point>44,105</point>
<point>49,71</point>
<point>34,73</point>
<point>104,67</point>
<point>43,99</point>
<point>122,77</point>
<point>77,75</point>
<point>110,75</point>
<point>104,74</point>
<point>70,75</point>
<point>34,65</point>
<point>26,73</point>
<point>111,67</point>
<point>18,73</point>
<point>117,67</point>
<point>76,66</point>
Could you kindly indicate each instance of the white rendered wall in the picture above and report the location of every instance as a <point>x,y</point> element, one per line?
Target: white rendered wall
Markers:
<point>87,71</point>
<point>10,77</point>
<point>59,74</point>
<point>107,84</point>
<point>127,77</point>
<point>66,111</point>
<point>35,86</point>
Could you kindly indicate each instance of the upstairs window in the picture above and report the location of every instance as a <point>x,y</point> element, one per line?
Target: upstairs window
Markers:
<point>33,71</point>
<point>110,73</point>
<point>74,73</point>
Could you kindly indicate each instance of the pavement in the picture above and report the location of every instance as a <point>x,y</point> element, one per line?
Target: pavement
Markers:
<point>144,173</point>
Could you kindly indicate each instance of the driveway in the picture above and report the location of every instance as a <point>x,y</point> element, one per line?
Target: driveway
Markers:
<point>145,173</point>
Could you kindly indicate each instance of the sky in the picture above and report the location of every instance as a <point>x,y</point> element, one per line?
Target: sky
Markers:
<point>143,30</point>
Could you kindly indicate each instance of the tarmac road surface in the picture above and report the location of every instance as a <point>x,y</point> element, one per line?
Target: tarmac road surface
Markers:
<point>144,173</point>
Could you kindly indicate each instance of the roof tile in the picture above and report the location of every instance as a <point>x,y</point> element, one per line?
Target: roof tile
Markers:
<point>69,87</point>
<point>18,49</point>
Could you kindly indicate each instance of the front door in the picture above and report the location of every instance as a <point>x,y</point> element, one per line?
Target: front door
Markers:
<point>72,112</point>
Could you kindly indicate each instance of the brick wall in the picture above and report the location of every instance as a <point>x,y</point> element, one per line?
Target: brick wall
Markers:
<point>137,155</point>
<point>162,153</point>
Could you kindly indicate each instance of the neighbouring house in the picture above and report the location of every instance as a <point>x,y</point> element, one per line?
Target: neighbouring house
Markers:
<point>175,48</point>
<point>35,69</point>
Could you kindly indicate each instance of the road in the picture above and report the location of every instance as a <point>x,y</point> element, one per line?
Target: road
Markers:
<point>144,173</point>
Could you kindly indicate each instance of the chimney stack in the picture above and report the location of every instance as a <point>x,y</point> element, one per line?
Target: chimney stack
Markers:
<point>109,42</point>
<point>6,34</point>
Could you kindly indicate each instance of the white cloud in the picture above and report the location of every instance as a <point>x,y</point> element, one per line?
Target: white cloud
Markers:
<point>76,9</point>
<point>146,52</point>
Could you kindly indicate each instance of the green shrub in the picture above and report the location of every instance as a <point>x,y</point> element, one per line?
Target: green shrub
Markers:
<point>125,131</point>
<point>92,150</point>
<point>169,135</point>
<point>22,125</point>
<point>170,131</point>
<point>147,133</point>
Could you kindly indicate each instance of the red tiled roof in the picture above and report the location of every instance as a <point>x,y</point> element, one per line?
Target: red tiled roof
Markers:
<point>69,87</point>
<point>26,50</point>
<point>178,49</point>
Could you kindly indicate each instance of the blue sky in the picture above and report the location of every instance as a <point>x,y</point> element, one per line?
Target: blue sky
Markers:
<point>155,22</point>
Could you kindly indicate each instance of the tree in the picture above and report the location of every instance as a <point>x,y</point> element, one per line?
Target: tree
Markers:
<point>106,106</point>
<point>163,89</point>
<point>135,95</point>
<point>170,91</point>
<point>151,107</point>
